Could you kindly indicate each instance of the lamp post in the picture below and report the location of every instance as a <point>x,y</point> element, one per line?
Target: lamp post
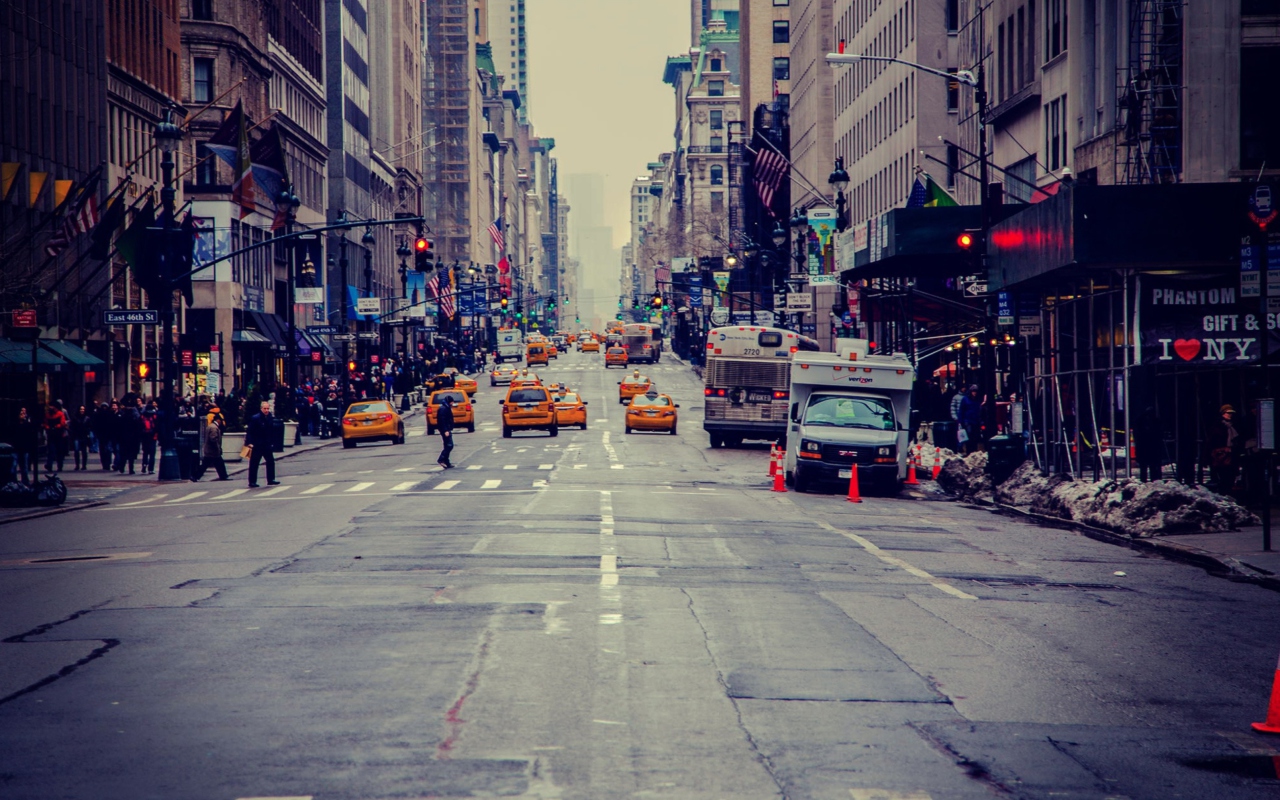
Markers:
<point>291,203</point>
<point>368,241</point>
<point>344,295</point>
<point>403,251</point>
<point>839,180</point>
<point>168,136</point>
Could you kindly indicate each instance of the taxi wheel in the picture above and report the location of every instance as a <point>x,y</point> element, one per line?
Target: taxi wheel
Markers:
<point>430,430</point>
<point>399,438</point>
<point>554,430</point>
<point>506,431</point>
<point>471,427</point>
<point>584,424</point>
<point>347,444</point>
<point>627,429</point>
<point>673,429</point>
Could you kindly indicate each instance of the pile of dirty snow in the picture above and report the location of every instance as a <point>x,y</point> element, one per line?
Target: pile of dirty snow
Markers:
<point>966,477</point>
<point>1125,505</point>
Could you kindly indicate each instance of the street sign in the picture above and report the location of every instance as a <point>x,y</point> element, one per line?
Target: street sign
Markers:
<point>1004,308</point>
<point>129,317</point>
<point>188,358</point>
<point>367,336</point>
<point>309,295</point>
<point>344,337</point>
<point>824,280</point>
<point>799,301</point>
<point>324,330</point>
<point>369,305</point>
<point>779,299</point>
<point>975,289</point>
<point>425,329</point>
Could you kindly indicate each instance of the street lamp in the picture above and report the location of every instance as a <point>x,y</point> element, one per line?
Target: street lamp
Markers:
<point>839,180</point>
<point>290,203</point>
<point>403,251</point>
<point>168,136</point>
<point>368,241</point>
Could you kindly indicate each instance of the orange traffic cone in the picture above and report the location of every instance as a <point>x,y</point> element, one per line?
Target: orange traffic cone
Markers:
<point>911,471</point>
<point>779,478</point>
<point>773,460</point>
<point>854,496</point>
<point>937,463</point>
<point>1272,725</point>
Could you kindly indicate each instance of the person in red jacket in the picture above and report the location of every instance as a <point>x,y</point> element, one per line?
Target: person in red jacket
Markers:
<point>57,431</point>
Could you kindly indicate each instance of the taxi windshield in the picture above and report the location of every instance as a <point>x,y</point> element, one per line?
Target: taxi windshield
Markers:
<point>369,408</point>
<point>528,396</point>
<point>457,397</point>
<point>842,411</point>
<point>645,400</point>
<point>568,398</point>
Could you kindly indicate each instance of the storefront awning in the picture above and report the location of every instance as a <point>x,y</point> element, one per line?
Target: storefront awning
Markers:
<point>249,337</point>
<point>270,326</point>
<point>73,353</point>
<point>52,355</point>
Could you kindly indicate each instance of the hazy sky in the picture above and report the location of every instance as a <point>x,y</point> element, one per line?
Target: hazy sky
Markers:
<point>595,86</point>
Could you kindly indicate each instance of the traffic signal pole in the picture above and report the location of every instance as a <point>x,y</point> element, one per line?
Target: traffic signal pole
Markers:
<point>167,469</point>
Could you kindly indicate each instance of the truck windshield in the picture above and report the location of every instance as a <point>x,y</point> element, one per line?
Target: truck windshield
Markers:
<point>842,411</point>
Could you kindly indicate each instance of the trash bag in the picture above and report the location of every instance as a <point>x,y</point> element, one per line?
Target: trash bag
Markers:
<point>17,495</point>
<point>51,492</point>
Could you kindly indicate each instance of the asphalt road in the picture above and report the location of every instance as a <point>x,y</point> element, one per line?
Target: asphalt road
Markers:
<point>600,615</point>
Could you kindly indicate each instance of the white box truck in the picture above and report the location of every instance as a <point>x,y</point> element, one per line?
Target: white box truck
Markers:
<point>849,410</point>
<point>510,345</point>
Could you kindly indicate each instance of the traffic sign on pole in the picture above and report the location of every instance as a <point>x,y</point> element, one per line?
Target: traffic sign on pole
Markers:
<point>140,316</point>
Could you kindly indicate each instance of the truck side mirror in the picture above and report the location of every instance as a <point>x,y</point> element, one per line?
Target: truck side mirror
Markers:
<point>795,412</point>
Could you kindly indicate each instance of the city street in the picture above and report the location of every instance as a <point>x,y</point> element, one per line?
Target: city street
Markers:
<point>600,615</point>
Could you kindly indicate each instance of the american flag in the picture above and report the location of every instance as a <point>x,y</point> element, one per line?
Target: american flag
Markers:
<point>495,233</point>
<point>81,217</point>
<point>768,171</point>
<point>443,294</point>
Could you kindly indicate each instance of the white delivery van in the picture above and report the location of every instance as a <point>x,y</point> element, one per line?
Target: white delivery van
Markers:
<point>849,410</point>
<point>510,345</point>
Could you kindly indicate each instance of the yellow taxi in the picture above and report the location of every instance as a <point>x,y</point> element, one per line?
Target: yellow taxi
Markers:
<point>464,411</point>
<point>632,385</point>
<point>652,412</point>
<point>615,356</point>
<point>536,353</point>
<point>502,375</point>
<point>552,350</point>
<point>371,421</point>
<point>571,409</point>
<point>588,346</point>
<point>528,408</point>
<point>571,337</point>
<point>556,387</point>
<point>526,378</point>
<point>461,381</point>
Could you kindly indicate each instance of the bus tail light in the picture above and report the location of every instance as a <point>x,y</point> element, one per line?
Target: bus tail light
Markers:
<point>781,395</point>
<point>804,366</point>
<point>794,349</point>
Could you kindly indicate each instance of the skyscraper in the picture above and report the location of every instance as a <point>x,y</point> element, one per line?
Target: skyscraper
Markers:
<point>510,49</point>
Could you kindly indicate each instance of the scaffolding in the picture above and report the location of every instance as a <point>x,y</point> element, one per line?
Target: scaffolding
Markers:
<point>1149,95</point>
<point>448,102</point>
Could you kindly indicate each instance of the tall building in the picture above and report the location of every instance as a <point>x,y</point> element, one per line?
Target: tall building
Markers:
<point>812,96</point>
<point>766,54</point>
<point>702,12</point>
<point>509,40</point>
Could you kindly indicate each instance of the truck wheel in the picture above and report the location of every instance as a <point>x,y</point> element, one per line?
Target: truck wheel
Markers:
<point>716,441</point>
<point>800,482</point>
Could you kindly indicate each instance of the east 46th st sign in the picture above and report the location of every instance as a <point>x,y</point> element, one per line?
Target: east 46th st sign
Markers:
<point>131,317</point>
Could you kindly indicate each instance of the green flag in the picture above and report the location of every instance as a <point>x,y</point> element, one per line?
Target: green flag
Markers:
<point>133,242</point>
<point>935,195</point>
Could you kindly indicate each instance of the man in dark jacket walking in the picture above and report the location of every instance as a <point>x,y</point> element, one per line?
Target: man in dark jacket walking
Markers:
<point>444,424</point>
<point>128,434</point>
<point>104,429</point>
<point>258,435</point>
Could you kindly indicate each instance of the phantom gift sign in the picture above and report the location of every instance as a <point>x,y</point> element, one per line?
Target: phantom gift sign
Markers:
<point>1200,322</point>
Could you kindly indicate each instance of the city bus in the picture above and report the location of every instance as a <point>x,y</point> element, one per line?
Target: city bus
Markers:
<point>643,343</point>
<point>747,382</point>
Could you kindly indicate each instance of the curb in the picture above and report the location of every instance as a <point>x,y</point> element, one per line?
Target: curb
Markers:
<point>1215,564</point>
<point>49,512</point>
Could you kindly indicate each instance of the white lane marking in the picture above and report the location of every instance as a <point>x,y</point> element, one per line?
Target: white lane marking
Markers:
<point>871,548</point>
<point>581,466</point>
<point>609,563</point>
<point>402,469</point>
<point>491,484</point>
<point>191,496</point>
<point>151,499</point>
<point>359,487</point>
<point>401,487</point>
<point>617,466</point>
<point>539,484</point>
<point>232,493</point>
<point>416,432</point>
<point>272,490</point>
<point>363,471</point>
<point>512,466</point>
<point>318,488</point>
<point>475,466</point>
<point>608,448</point>
<point>443,485</point>
<point>545,466</point>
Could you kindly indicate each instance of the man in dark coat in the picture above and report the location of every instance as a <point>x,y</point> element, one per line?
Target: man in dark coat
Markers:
<point>258,435</point>
<point>128,435</point>
<point>104,429</point>
<point>444,424</point>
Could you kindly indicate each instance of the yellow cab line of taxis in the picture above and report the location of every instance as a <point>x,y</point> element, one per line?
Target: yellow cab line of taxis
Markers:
<point>652,412</point>
<point>464,411</point>
<point>588,345</point>
<point>536,353</point>
<point>571,409</point>
<point>528,407</point>
<point>371,421</point>
<point>615,356</point>
<point>632,385</point>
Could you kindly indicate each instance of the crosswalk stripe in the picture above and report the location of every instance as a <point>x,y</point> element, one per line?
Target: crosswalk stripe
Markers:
<point>403,469</point>
<point>445,485</point>
<point>489,484</point>
<point>359,487</point>
<point>416,433</point>
<point>404,487</point>
<point>474,466</point>
<point>545,466</point>
<point>511,466</point>
<point>148,500</point>
<point>230,494</point>
<point>191,496</point>
<point>318,488</point>
<point>273,490</point>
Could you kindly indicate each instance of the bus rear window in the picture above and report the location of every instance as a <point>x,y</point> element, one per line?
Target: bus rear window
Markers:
<point>770,339</point>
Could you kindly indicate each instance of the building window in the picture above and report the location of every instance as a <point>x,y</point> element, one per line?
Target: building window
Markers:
<point>782,2</point>
<point>953,16</point>
<point>717,144</point>
<point>717,65</point>
<point>202,80</point>
<point>206,166</point>
<point>1020,180</point>
<point>953,92</point>
<point>1259,99</point>
<point>717,202</point>
<point>717,176</point>
<point>953,165</point>
<point>1055,134</point>
<point>717,120</point>
<point>782,69</point>
<point>781,31</point>
<point>1055,28</point>
<point>715,88</point>
<point>202,9</point>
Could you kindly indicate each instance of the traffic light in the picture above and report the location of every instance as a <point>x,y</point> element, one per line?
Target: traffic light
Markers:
<point>519,313</point>
<point>970,241</point>
<point>351,366</point>
<point>503,305</point>
<point>635,303</point>
<point>422,254</point>
<point>144,369</point>
<point>551,303</point>
<point>965,240</point>
<point>657,301</point>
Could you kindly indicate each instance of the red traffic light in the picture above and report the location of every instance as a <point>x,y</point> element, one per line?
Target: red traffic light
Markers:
<point>965,240</point>
<point>421,244</point>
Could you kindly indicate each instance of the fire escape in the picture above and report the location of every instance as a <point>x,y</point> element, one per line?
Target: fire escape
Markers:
<point>450,44</point>
<point>1149,95</point>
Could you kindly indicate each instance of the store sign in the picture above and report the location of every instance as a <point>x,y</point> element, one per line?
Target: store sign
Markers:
<point>307,295</point>
<point>1200,322</point>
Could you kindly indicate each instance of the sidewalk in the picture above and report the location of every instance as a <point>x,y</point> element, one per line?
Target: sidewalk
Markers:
<point>96,486</point>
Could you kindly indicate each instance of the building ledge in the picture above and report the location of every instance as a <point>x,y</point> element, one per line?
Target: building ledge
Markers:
<point>1028,95</point>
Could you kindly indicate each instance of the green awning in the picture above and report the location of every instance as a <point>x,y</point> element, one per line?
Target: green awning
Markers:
<point>73,353</point>
<point>52,355</point>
